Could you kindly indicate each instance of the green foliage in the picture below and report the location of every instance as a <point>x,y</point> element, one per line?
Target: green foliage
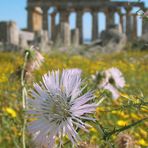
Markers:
<point>112,116</point>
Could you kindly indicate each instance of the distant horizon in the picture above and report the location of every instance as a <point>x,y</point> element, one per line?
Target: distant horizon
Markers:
<point>15,11</point>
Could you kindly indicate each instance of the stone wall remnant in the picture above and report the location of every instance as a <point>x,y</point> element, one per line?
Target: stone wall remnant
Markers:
<point>9,33</point>
<point>24,38</point>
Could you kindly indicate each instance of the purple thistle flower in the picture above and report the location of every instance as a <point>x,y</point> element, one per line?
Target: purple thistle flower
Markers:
<point>58,106</point>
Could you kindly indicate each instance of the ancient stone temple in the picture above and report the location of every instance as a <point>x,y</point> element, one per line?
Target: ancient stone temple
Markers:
<point>38,15</point>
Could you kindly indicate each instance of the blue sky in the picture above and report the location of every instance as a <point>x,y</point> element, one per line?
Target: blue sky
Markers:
<point>15,10</point>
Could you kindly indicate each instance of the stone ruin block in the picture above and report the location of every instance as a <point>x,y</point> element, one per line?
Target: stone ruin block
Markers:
<point>75,37</point>
<point>42,40</point>
<point>1,46</point>
<point>65,34</point>
<point>62,35</point>
<point>9,33</point>
<point>24,38</point>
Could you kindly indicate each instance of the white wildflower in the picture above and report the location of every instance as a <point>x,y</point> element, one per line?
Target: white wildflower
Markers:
<point>115,77</point>
<point>111,80</point>
<point>113,90</point>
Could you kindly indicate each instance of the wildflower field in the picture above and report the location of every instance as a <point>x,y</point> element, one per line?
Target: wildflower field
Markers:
<point>131,108</point>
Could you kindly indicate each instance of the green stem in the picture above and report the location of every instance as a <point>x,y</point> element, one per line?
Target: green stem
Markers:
<point>23,81</point>
<point>103,133</point>
<point>135,105</point>
<point>109,134</point>
<point>106,135</point>
<point>23,134</point>
<point>24,94</point>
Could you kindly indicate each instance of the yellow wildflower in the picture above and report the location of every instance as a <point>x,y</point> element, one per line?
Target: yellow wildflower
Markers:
<point>92,129</point>
<point>100,109</point>
<point>136,135</point>
<point>123,115</point>
<point>120,113</point>
<point>10,111</point>
<point>3,78</point>
<point>97,93</point>
<point>124,95</point>
<point>142,142</point>
<point>93,140</point>
<point>143,132</point>
<point>134,116</point>
<point>144,110</point>
<point>132,67</point>
<point>122,123</point>
<point>19,134</point>
<point>114,112</point>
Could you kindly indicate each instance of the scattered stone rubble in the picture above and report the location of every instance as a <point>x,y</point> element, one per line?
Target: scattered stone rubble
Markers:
<point>111,40</point>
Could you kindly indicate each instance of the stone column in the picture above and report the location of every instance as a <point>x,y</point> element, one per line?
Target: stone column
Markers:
<point>65,34</point>
<point>64,16</point>
<point>34,19</point>
<point>106,18</point>
<point>45,18</point>
<point>75,37</point>
<point>94,25</point>
<point>145,24</point>
<point>128,22</point>
<point>79,25</point>
<point>122,22</point>
<point>30,18</point>
<point>67,17</point>
<point>109,12</point>
<point>134,30</point>
<point>45,33</point>
<point>53,27</point>
<point>144,27</point>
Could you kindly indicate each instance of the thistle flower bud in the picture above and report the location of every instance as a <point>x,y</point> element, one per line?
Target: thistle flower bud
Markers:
<point>124,141</point>
<point>35,59</point>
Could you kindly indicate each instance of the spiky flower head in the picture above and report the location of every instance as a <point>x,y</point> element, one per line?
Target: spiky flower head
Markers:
<point>58,106</point>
